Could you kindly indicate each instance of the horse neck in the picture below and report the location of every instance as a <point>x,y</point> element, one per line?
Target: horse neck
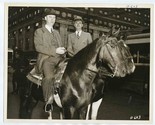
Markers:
<point>92,65</point>
<point>84,59</point>
<point>93,60</point>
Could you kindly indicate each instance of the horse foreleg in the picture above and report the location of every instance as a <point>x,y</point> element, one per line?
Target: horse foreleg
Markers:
<point>88,111</point>
<point>69,112</point>
<point>94,110</point>
<point>61,113</point>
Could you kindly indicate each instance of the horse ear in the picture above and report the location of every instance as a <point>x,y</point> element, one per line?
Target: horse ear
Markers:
<point>116,33</point>
<point>113,32</point>
<point>124,37</point>
<point>109,33</point>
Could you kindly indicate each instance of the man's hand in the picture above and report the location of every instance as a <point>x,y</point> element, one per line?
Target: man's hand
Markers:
<point>60,50</point>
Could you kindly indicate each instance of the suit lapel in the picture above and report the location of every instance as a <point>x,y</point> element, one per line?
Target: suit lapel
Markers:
<point>74,36</point>
<point>45,30</point>
<point>82,35</point>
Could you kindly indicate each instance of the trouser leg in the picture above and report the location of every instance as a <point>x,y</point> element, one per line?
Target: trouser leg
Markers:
<point>47,83</point>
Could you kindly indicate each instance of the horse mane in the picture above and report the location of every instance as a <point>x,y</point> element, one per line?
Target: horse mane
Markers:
<point>83,57</point>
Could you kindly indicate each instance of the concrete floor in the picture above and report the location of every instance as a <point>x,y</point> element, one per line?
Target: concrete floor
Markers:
<point>118,104</point>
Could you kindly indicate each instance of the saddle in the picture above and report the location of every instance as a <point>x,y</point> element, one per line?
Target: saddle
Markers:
<point>36,78</point>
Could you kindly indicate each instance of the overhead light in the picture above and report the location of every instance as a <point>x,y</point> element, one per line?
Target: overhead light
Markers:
<point>101,11</point>
<point>109,24</point>
<point>105,13</point>
<point>63,14</point>
<point>28,27</point>
<point>37,24</point>
<point>91,9</point>
<point>105,23</point>
<point>96,21</point>
<point>118,16</point>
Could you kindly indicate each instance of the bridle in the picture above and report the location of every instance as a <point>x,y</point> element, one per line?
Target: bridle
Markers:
<point>109,74</point>
<point>114,68</point>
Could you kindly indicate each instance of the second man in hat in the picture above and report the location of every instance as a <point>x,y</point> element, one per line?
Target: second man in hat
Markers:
<point>79,39</point>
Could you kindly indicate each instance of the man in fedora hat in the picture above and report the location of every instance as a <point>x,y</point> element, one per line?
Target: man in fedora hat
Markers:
<point>50,50</point>
<point>79,39</point>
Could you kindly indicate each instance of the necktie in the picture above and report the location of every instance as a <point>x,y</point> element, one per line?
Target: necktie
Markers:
<point>78,35</point>
<point>52,32</point>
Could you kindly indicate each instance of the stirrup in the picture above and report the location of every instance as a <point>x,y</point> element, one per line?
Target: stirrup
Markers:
<point>48,107</point>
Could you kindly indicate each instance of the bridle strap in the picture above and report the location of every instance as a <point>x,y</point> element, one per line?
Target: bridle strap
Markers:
<point>101,71</point>
<point>92,70</point>
<point>111,57</point>
<point>105,73</point>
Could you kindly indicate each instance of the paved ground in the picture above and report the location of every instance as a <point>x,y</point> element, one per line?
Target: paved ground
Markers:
<point>118,104</point>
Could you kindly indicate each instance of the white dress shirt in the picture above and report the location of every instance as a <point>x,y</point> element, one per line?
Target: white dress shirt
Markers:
<point>78,33</point>
<point>50,29</point>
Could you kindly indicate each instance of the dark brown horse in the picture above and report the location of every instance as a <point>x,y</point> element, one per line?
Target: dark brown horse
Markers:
<point>80,85</point>
<point>86,73</point>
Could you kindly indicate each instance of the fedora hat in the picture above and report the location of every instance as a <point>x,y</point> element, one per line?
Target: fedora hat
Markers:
<point>78,18</point>
<point>48,11</point>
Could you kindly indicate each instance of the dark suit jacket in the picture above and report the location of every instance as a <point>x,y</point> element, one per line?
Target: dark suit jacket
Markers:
<point>74,44</point>
<point>46,44</point>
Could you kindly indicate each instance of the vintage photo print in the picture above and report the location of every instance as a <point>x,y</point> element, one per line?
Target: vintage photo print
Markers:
<point>78,62</point>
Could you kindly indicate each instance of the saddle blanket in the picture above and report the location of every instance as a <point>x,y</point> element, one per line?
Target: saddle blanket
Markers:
<point>37,78</point>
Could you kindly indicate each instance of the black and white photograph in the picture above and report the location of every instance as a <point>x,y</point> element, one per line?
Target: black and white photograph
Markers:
<point>78,63</point>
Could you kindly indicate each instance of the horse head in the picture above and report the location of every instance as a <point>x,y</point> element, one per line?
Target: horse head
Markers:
<point>115,54</point>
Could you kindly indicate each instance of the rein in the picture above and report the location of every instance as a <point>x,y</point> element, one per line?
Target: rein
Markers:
<point>102,72</point>
<point>113,61</point>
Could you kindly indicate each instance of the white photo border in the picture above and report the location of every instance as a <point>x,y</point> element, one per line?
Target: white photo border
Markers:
<point>77,5</point>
